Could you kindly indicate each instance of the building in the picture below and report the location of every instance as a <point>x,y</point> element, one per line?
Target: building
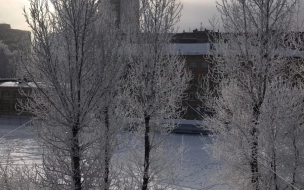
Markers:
<point>127,12</point>
<point>195,48</point>
<point>197,36</point>
<point>197,60</point>
<point>12,92</point>
<point>15,39</point>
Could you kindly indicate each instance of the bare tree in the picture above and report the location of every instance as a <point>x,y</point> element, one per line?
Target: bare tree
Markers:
<point>155,83</point>
<point>249,64</point>
<point>282,134</point>
<point>75,67</point>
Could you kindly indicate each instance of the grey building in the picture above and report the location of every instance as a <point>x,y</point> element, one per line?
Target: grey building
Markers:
<point>127,12</point>
<point>15,39</point>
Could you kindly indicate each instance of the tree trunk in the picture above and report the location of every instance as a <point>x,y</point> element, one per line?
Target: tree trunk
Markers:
<point>254,149</point>
<point>75,143</point>
<point>147,153</point>
<point>106,152</point>
<point>296,158</point>
<point>254,159</point>
<point>76,157</point>
<point>274,168</point>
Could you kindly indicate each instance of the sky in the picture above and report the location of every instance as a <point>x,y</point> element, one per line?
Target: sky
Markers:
<point>194,13</point>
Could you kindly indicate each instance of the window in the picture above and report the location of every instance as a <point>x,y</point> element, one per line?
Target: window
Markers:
<point>204,65</point>
<point>192,95</point>
<point>192,66</point>
<point>5,95</point>
<point>5,107</point>
<point>17,95</point>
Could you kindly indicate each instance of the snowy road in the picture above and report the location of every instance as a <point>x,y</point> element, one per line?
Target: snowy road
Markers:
<point>196,170</point>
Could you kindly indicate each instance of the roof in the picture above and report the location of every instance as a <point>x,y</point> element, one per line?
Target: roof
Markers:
<point>174,48</point>
<point>191,48</point>
<point>16,84</point>
<point>238,49</point>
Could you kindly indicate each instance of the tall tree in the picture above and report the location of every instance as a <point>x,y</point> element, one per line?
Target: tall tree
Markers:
<point>155,82</point>
<point>249,58</point>
<point>75,66</point>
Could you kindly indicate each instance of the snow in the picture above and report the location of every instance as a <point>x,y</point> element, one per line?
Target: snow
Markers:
<point>20,143</point>
<point>190,49</point>
<point>204,49</point>
<point>18,84</point>
<point>197,166</point>
<point>180,48</point>
<point>236,48</point>
<point>196,171</point>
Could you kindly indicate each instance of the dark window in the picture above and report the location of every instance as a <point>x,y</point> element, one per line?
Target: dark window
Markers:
<point>192,95</point>
<point>193,65</point>
<point>5,95</point>
<point>204,65</point>
<point>17,95</point>
<point>5,107</point>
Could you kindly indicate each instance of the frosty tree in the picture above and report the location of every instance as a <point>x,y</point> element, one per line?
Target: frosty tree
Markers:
<point>75,66</point>
<point>250,66</point>
<point>154,85</point>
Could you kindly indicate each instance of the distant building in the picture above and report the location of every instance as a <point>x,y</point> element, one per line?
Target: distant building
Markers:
<point>195,48</point>
<point>11,92</point>
<point>197,57</point>
<point>127,12</point>
<point>15,39</point>
<point>197,36</point>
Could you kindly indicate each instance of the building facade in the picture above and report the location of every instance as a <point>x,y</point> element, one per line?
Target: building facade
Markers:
<point>196,55</point>
<point>197,59</point>
<point>195,48</point>
<point>15,39</point>
<point>12,92</point>
<point>127,12</point>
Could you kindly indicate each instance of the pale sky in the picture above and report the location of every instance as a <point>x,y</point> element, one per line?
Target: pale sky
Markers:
<point>193,13</point>
<point>196,12</point>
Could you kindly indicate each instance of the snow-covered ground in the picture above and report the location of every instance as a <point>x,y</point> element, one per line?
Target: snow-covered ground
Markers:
<point>16,140</point>
<point>196,165</point>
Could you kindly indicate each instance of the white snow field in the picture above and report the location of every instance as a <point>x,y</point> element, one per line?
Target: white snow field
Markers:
<point>196,166</point>
<point>15,139</point>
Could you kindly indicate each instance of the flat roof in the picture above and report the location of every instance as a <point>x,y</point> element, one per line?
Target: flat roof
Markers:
<point>190,49</point>
<point>16,84</point>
